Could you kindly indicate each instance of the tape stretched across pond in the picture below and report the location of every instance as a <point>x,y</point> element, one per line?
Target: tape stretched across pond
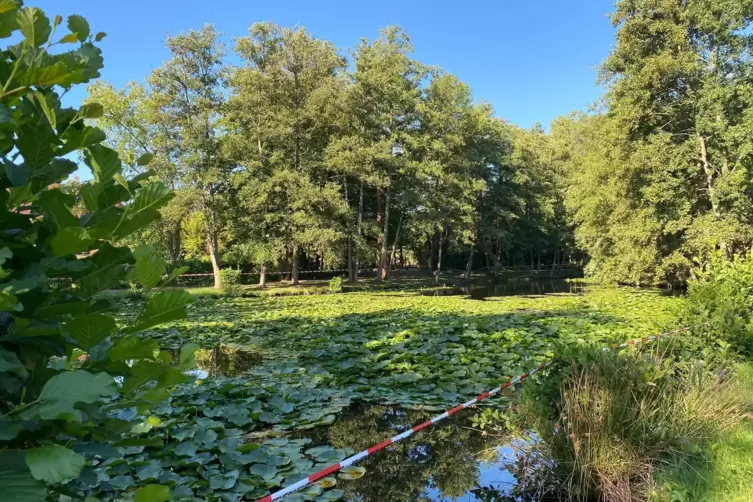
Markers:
<point>384,444</point>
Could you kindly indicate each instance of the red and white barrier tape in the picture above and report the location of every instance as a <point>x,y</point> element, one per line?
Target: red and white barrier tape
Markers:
<point>384,444</point>
<point>278,273</point>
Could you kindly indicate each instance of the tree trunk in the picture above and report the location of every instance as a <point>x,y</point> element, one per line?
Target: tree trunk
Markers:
<point>469,264</point>
<point>439,257</point>
<point>555,260</point>
<point>431,253</point>
<point>380,235</point>
<point>214,255</point>
<point>263,277</point>
<point>294,269</point>
<point>174,244</point>
<point>382,272</point>
<point>358,230</point>
<point>394,243</point>
<point>710,183</point>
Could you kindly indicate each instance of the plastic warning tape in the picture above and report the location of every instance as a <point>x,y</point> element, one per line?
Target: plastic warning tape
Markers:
<point>277,273</point>
<point>408,433</point>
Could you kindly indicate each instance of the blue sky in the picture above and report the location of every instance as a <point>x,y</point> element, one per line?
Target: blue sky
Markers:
<point>533,60</point>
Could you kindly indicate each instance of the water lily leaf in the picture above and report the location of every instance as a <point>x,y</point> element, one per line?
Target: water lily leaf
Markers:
<point>223,481</point>
<point>269,418</point>
<point>152,493</point>
<point>264,470</point>
<point>351,472</point>
<point>122,482</point>
<point>327,482</point>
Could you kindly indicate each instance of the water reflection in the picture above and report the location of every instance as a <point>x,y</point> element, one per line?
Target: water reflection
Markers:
<point>451,461</point>
<point>481,291</point>
<point>223,360</point>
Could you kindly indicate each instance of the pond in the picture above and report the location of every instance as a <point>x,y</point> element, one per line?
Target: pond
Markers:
<point>454,460</point>
<point>536,287</point>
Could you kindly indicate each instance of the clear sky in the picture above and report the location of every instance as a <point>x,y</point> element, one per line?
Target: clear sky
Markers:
<point>534,60</point>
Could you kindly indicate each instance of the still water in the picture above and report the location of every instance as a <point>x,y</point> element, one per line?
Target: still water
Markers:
<point>451,461</point>
<point>482,290</point>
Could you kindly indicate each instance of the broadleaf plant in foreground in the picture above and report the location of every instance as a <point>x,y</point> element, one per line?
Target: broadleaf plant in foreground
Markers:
<point>60,369</point>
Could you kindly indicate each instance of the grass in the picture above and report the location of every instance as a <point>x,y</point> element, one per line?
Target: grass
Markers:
<point>722,471</point>
<point>608,419</point>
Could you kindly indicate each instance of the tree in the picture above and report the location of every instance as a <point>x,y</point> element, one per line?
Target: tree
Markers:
<point>185,107</point>
<point>450,172</point>
<point>133,132</point>
<point>280,118</point>
<point>385,94</point>
<point>60,357</point>
<point>677,134</point>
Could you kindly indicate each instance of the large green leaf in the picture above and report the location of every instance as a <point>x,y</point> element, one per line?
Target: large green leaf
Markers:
<point>63,391</point>
<point>150,197</point>
<point>103,162</point>
<point>108,266</point>
<point>9,5</point>
<point>149,265</point>
<point>37,143</point>
<point>57,205</point>
<point>71,240</point>
<point>10,363</point>
<point>48,112</point>
<point>54,172</point>
<point>21,485</point>
<point>9,17</point>
<point>34,25</point>
<point>132,347</point>
<point>90,329</point>
<point>54,463</point>
<point>90,193</point>
<point>79,26</point>
<point>17,174</point>
<point>163,307</point>
<point>152,493</point>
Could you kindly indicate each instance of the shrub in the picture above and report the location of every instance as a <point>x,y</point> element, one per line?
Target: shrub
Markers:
<point>609,420</point>
<point>62,353</point>
<point>720,297</point>
<point>336,285</point>
<point>230,280</point>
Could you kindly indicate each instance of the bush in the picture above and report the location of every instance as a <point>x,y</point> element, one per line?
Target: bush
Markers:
<point>64,357</point>
<point>336,285</point>
<point>608,420</point>
<point>720,298</point>
<point>230,281</point>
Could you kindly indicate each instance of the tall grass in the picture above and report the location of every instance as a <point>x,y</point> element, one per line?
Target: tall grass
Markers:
<point>609,420</point>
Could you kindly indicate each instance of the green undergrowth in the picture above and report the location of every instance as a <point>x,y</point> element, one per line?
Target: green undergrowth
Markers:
<point>311,357</point>
<point>721,471</point>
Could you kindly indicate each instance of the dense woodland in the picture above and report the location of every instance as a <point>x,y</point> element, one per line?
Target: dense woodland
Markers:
<point>307,156</point>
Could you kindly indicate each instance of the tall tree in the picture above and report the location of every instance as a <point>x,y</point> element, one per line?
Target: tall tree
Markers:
<point>450,172</point>
<point>385,94</point>
<point>281,117</point>
<point>186,103</point>
<point>678,131</point>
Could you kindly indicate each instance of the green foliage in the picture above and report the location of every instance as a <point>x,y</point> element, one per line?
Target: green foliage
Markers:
<point>664,174</point>
<point>56,256</point>
<point>230,279</point>
<point>608,419</point>
<point>720,297</point>
<point>336,285</point>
